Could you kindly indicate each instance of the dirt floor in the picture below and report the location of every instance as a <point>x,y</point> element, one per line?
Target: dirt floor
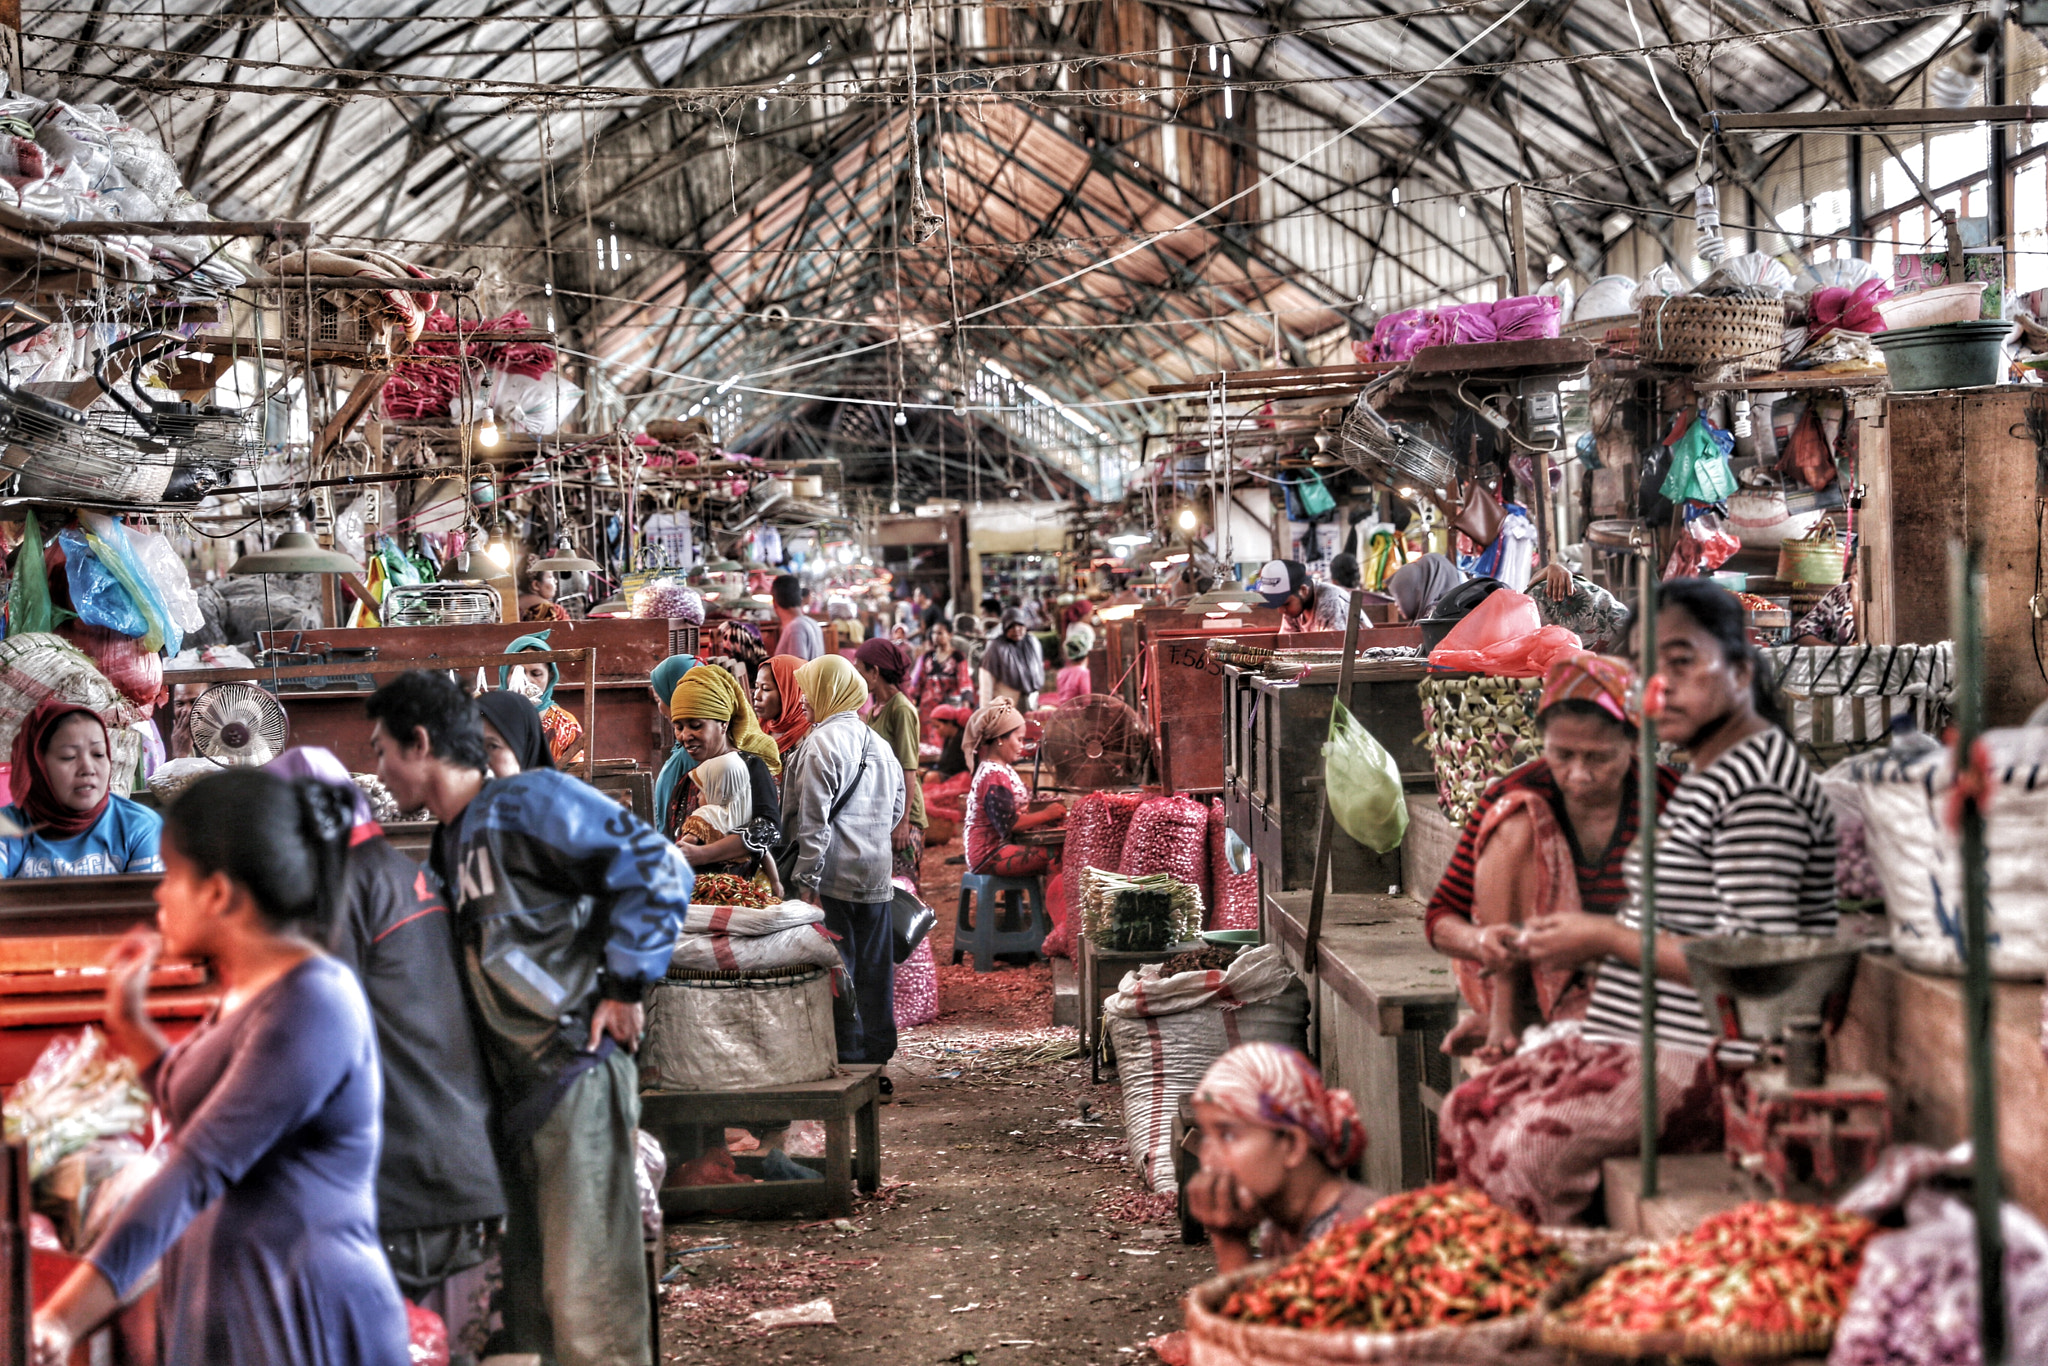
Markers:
<point>1008,1229</point>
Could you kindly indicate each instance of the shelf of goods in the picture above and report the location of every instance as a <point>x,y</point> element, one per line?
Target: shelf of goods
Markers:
<point>629,723</point>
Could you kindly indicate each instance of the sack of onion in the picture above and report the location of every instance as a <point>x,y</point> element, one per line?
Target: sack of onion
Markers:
<point>1769,1278</point>
<point>1440,1273</point>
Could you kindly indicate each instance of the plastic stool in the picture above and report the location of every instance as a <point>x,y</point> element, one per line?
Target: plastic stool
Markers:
<point>982,897</point>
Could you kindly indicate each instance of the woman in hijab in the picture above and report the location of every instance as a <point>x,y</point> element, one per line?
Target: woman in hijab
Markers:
<point>1073,680</point>
<point>780,703</point>
<point>663,681</point>
<point>513,739</point>
<point>1417,586</point>
<point>562,729</point>
<point>712,717</point>
<point>61,789</point>
<point>1012,667</point>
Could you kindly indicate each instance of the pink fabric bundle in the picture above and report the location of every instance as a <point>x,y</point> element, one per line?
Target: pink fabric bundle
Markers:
<point>1096,829</point>
<point>1853,310</point>
<point>1531,317</point>
<point>1462,325</point>
<point>1170,835</point>
<point>1398,336</point>
<point>1236,906</point>
<point>427,387</point>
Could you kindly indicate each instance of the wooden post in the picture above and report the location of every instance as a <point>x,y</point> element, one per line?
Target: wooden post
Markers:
<point>17,1304</point>
<point>10,42</point>
<point>1518,240</point>
<point>1646,847</point>
<point>1988,1193</point>
<point>1954,246</point>
<point>590,714</point>
<point>1327,819</point>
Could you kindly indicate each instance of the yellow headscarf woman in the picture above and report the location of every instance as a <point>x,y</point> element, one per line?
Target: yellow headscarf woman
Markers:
<point>713,695</point>
<point>830,685</point>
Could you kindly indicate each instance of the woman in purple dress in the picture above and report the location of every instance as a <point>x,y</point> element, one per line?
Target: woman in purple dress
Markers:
<point>264,1211</point>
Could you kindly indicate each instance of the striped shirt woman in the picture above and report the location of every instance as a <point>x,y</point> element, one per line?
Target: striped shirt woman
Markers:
<point>1745,847</point>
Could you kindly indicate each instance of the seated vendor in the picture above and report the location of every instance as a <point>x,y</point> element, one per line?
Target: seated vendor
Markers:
<point>1275,1144</point>
<point>60,785</point>
<point>1304,604</point>
<point>713,718</point>
<point>1746,845</point>
<point>538,681</point>
<point>514,741</point>
<point>1546,840</point>
<point>998,802</point>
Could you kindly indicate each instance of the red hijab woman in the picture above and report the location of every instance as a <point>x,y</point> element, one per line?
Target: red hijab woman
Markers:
<point>60,786</point>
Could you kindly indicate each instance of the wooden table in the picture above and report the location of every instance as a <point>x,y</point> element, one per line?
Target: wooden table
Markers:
<point>1101,972</point>
<point>1392,998</point>
<point>848,1104</point>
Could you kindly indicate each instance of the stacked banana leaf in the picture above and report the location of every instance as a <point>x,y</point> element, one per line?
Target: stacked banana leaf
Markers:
<point>1476,729</point>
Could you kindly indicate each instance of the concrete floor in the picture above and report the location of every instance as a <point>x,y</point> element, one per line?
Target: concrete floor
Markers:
<point>1009,1228</point>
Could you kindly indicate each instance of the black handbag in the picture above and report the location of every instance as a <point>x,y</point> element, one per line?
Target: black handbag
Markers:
<point>910,920</point>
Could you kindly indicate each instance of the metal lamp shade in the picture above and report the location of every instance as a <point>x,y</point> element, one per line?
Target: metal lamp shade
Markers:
<point>296,552</point>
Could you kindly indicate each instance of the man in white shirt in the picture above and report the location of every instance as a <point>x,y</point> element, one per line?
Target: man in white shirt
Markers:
<point>800,634</point>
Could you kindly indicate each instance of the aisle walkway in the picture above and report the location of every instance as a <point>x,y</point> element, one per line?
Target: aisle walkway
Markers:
<point>1008,1229</point>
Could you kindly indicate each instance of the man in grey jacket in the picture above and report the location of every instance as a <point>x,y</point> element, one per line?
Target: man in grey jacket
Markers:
<point>841,799</point>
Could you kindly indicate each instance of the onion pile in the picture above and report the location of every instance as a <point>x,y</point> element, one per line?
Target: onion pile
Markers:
<point>667,599</point>
<point>1233,897</point>
<point>1855,875</point>
<point>1169,835</point>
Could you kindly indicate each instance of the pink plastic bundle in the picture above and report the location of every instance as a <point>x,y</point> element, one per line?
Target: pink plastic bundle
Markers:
<point>1461,325</point>
<point>1530,317</point>
<point>1236,906</point>
<point>1096,829</point>
<point>1853,310</point>
<point>1398,336</point>
<point>1170,835</point>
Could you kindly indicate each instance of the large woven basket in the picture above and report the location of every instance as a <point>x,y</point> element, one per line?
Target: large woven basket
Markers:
<point>1216,1341</point>
<point>728,1030</point>
<point>1555,1331</point>
<point>1711,336</point>
<point>1476,730</point>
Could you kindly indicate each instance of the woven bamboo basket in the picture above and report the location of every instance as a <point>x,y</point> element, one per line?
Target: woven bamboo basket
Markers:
<point>1217,1341</point>
<point>1555,1331</point>
<point>1711,335</point>
<point>1818,557</point>
<point>1476,730</point>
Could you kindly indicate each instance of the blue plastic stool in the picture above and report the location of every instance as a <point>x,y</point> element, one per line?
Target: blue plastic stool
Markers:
<point>983,898</point>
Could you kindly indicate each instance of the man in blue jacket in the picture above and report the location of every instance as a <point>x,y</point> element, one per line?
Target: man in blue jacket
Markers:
<point>567,907</point>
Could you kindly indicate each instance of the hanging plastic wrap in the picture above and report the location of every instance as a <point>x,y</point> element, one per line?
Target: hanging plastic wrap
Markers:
<point>168,576</point>
<point>99,597</point>
<point>1704,543</point>
<point>28,598</point>
<point>78,1090</point>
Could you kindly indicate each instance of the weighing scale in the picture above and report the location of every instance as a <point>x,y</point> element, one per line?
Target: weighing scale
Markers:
<point>1789,1117</point>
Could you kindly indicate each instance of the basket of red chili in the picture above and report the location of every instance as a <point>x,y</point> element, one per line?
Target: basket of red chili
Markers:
<point>1767,1279</point>
<point>1438,1274</point>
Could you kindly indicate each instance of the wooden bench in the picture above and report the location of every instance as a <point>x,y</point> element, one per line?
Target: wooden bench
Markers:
<point>849,1106</point>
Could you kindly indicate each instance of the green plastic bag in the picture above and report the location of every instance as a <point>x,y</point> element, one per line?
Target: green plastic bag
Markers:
<point>28,600</point>
<point>1363,786</point>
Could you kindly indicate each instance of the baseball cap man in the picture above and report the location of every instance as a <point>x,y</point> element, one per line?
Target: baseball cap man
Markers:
<point>1280,582</point>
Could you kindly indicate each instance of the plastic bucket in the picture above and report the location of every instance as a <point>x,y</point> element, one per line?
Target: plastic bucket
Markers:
<point>1945,356</point>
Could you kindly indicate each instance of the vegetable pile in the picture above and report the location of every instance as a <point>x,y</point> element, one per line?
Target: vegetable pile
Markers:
<point>1430,1258</point>
<point>1769,1266</point>
<point>726,889</point>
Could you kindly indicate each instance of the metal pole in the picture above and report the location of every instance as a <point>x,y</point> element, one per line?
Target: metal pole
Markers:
<point>1326,819</point>
<point>1646,854</point>
<point>1964,592</point>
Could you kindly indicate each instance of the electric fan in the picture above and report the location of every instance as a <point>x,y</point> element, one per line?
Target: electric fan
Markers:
<point>1398,451</point>
<point>1094,742</point>
<point>236,724</point>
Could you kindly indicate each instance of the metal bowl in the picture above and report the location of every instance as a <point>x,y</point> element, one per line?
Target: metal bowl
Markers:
<point>1753,984</point>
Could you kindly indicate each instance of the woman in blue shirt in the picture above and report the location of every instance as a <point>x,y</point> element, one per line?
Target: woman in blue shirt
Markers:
<point>62,767</point>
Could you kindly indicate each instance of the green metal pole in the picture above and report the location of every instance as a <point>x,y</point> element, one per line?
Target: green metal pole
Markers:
<point>1646,854</point>
<point>1965,585</point>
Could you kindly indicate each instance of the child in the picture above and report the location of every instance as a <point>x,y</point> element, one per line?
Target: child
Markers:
<point>725,807</point>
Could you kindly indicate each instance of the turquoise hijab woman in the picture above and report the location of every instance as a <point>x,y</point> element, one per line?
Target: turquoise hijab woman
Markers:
<point>539,641</point>
<point>663,680</point>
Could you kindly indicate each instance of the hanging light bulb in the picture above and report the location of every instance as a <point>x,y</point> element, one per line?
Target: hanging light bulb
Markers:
<point>902,418</point>
<point>1212,56</point>
<point>1226,65</point>
<point>1226,101</point>
<point>1188,520</point>
<point>487,430</point>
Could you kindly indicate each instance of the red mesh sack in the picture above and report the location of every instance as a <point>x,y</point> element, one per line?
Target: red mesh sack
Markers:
<point>1170,835</point>
<point>1096,828</point>
<point>1060,943</point>
<point>427,1336</point>
<point>137,674</point>
<point>1236,903</point>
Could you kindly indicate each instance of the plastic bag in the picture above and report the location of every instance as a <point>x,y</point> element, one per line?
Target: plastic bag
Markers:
<point>29,608</point>
<point>426,1336</point>
<point>77,1091</point>
<point>1398,336</point>
<point>1660,282</point>
<point>1504,614</point>
<point>1699,464</point>
<point>168,577</point>
<point>1527,656</point>
<point>1529,317</point>
<point>1461,325</point>
<point>109,541</point>
<point>135,670</point>
<point>1361,782</point>
<point>98,595</point>
<point>1807,454</point>
<point>1704,543</point>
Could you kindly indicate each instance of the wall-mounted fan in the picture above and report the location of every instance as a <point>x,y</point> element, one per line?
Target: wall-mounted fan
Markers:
<point>1094,742</point>
<point>237,724</point>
